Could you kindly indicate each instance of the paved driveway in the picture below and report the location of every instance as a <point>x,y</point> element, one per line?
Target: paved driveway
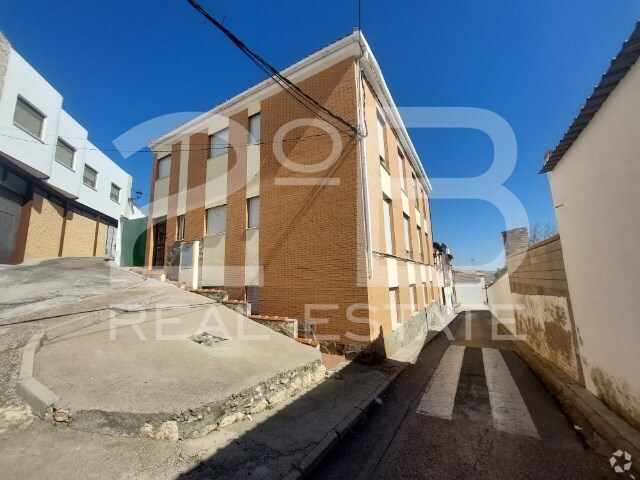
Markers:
<point>44,284</point>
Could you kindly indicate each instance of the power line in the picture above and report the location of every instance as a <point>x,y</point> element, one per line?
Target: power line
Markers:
<point>293,90</point>
<point>284,140</point>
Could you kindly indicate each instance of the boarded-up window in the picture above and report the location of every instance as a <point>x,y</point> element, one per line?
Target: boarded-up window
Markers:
<point>217,220</point>
<point>90,177</point>
<point>65,153</point>
<point>28,118</point>
<point>164,167</point>
<point>253,212</point>
<point>219,143</point>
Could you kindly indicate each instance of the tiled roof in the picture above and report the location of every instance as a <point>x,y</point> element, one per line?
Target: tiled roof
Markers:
<point>619,67</point>
<point>465,276</point>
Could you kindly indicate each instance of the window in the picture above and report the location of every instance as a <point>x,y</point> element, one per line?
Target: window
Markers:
<point>407,236</point>
<point>388,229</point>
<point>254,128</point>
<point>28,118</point>
<point>412,298</point>
<point>402,172</point>
<point>381,141</point>
<point>164,167</point>
<point>115,193</point>
<point>424,206</point>
<point>420,245</point>
<point>393,307</point>
<point>219,143</point>
<point>253,212</point>
<point>426,238</point>
<point>425,293</point>
<point>64,154</point>
<point>216,220</point>
<point>90,177</point>
<point>180,229</point>
<point>415,190</point>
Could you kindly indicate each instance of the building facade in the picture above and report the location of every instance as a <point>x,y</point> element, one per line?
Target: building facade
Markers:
<point>299,215</point>
<point>59,195</point>
<point>594,173</point>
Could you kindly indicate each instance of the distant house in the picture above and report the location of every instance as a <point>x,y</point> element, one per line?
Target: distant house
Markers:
<point>594,173</point>
<point>444,278</point>
<point>59,195</point>
<point>469,288</point>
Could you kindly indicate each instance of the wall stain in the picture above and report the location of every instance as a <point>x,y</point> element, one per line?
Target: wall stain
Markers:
<point>617,395</point>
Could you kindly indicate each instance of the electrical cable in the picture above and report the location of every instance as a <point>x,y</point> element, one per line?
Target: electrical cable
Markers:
<point>272,72</point>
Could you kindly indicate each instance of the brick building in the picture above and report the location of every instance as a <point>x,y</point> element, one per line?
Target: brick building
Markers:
<point>302,217</point>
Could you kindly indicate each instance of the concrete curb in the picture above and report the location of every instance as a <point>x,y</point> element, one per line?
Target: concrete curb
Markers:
<point>91,318</point>
<point>340,431</point>
<point>582,406</point>
<point>39,398</point>
<point>35,394</point>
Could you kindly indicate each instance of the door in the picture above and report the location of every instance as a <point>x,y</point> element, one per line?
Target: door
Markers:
<point>10,209</point>
<point>159,239</point>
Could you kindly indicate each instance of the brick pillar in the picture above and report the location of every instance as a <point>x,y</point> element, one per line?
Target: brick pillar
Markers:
<point>194,220</point>
<point>149,249</point>
<point>235,240</point>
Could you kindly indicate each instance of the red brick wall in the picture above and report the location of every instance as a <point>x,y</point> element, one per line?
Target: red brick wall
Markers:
<point>308,239</point>
<point>194,220</point>
<point>235,238</point>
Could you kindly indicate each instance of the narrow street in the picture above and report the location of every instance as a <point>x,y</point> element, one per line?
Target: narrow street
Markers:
<point>469,408</point>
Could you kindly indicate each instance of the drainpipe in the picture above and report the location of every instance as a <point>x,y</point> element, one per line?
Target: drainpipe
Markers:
<point>362,134</point>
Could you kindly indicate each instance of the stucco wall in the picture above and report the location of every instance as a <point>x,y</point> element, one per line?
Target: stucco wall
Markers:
<point>596,197</point>
<point>541,300</point>
<point>470,295</point>
<point>501,303</point>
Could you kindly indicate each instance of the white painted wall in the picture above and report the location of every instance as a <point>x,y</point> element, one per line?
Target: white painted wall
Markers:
<point>596,198</point>
<point>470,295</point>
<point>39,153</point>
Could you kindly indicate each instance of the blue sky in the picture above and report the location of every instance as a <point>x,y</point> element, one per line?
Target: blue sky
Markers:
<point>119,64</point>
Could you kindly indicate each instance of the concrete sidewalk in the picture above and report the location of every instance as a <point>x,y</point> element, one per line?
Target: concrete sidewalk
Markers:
<point>153,368</point>
<point>288,439</point>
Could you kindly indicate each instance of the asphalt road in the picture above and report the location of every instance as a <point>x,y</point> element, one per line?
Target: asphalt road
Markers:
<point>469,408</point>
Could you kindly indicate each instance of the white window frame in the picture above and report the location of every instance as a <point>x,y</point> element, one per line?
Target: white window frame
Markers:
<point>111,193</point>
<point>393,308</point>
<point>254,128</point>
<point>222,150</point>
<point>403,171</point>
<point>222,211</point>
<point>412,298</point>
<point>164,167</point>
<point>387,214</point>
<point>382,141</point>
<point>29,106</point>
<point>84,171</point>
<point>180,228</point>
<point>407,236</point>
<point>253,212</point>
<point>62,144</point>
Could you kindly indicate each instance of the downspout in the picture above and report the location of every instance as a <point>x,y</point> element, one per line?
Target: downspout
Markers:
<point>362,134</point>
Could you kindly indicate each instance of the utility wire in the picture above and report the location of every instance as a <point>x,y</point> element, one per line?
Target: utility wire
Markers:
<point>296,92</point>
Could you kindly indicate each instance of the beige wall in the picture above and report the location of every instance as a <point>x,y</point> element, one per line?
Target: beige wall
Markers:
<point>45,227</point>
<point>596,197</point>
<point>541,300</point>
<point>501,303</point>
<point>79,236</point>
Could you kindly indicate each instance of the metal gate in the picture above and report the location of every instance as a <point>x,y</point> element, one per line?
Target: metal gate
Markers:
<point>10,208</point>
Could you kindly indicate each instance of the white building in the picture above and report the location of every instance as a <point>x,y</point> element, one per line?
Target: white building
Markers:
<point>59,195</point>
<point>594,174</point>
